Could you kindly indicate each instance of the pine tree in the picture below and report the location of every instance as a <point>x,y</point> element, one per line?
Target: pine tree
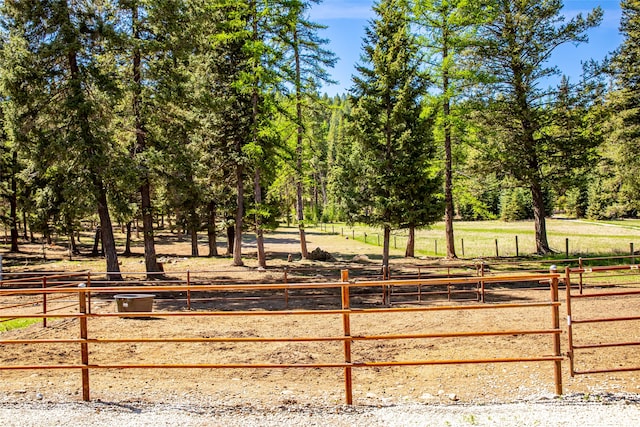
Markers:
<point>59,89</point>
<point>305,65</point>
<point>393,186</point>
<point>625,103</point>
<point>448,29</point>
<point>516,47</point>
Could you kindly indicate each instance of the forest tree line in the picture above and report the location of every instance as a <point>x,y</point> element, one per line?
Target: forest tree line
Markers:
<point>211,111</point>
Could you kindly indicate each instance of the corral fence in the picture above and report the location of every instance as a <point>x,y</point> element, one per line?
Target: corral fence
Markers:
<point>349,335</point>
<point>613,287</point>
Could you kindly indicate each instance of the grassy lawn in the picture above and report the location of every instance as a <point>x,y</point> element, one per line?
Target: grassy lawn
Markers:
<point>9,324</point>
<point>478,238</point>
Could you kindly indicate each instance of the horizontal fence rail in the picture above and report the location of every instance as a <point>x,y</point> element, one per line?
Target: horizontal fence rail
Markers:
<point>345,312</point>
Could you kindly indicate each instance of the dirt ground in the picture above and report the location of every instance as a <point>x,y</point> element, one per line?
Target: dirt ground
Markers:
<point>477,383</point>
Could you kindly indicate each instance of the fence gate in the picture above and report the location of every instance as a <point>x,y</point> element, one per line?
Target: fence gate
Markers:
<point>603,318</point>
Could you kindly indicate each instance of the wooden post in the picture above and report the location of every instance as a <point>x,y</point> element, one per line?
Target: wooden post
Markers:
<point>482,282</point>
<point>378,236</point>
<point>580,266</point>
<point>567,283</point>
<point>555,316</point>
<point>462,245</point>
<point>346,324</point>
<point>44,302</point>
<point>89,295</point>
<point>566,246</point>
<point>517,248</point>
<point>286,291</point>
<point>189,290</point>
<point>497,252</point>
<point>633,258</point>
<point>84,346</point>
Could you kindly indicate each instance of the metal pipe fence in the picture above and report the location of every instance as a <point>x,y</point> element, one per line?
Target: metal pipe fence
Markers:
<point>615,284</point>
<point>344,311</point>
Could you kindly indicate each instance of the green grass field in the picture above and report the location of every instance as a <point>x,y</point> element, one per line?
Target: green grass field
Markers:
<point>7,325</point>
<point>478,238</point>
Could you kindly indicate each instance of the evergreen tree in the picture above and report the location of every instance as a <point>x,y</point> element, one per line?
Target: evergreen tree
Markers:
<point>394,187</point>
<point>625,105</point>
<point>449,29</point>
<point>59,87</point>
<point>516,47</point>
<point>305,63</point>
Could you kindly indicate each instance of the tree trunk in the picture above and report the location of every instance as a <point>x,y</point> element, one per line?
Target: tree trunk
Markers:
<point>25,229</point>
<point>411,243</point>
<point>194,241</point>
<point>262,259</point>
<point>237,246</point>
<point>13,205</point>
<point>127,244</point>
<point>108,241</point>
<point>231,237</point>
<point>96,242</point>
<point>300,130</point>
<point>211,230</point>
<point>72,243</point>
<point>150,261</point>
<point>385,248</point>
<point>539,217</point>
<point>100,191</point>
<point>448,180</point>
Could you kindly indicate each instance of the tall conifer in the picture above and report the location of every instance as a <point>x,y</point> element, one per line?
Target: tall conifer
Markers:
<point>394,186</point>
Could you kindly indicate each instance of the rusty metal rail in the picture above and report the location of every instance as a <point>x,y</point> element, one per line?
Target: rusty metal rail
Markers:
<point>345,312</point>
<point>604,281</point>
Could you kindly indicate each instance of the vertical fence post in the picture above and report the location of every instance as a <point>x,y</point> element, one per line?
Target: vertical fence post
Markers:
<point>0,268</point>
<point>419,286</point>
<point>44,301</point>
<point>517,248</point>
<point>385,299</point>
<point>346,324</point>
<point>580,266</point>
<point>633,258</point>
<point>462,245</point>
<point>189,290</point>
<point>566,246</point>
<point>555,317</point>
<point>84,346</point>
<point>286,291</point>
<point>497,252</point>
<point>482,281</point>
<point>567,282</point>
<point>378,236</point>
<point>89,295</point>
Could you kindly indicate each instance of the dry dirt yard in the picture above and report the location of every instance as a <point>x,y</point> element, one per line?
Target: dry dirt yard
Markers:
<point>234,389</point>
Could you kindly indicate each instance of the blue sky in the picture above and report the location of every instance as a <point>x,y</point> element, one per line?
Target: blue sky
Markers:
<point>346,20</point>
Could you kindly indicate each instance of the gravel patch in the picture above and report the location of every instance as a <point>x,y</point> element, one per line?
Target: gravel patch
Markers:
<point>577,410</point>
